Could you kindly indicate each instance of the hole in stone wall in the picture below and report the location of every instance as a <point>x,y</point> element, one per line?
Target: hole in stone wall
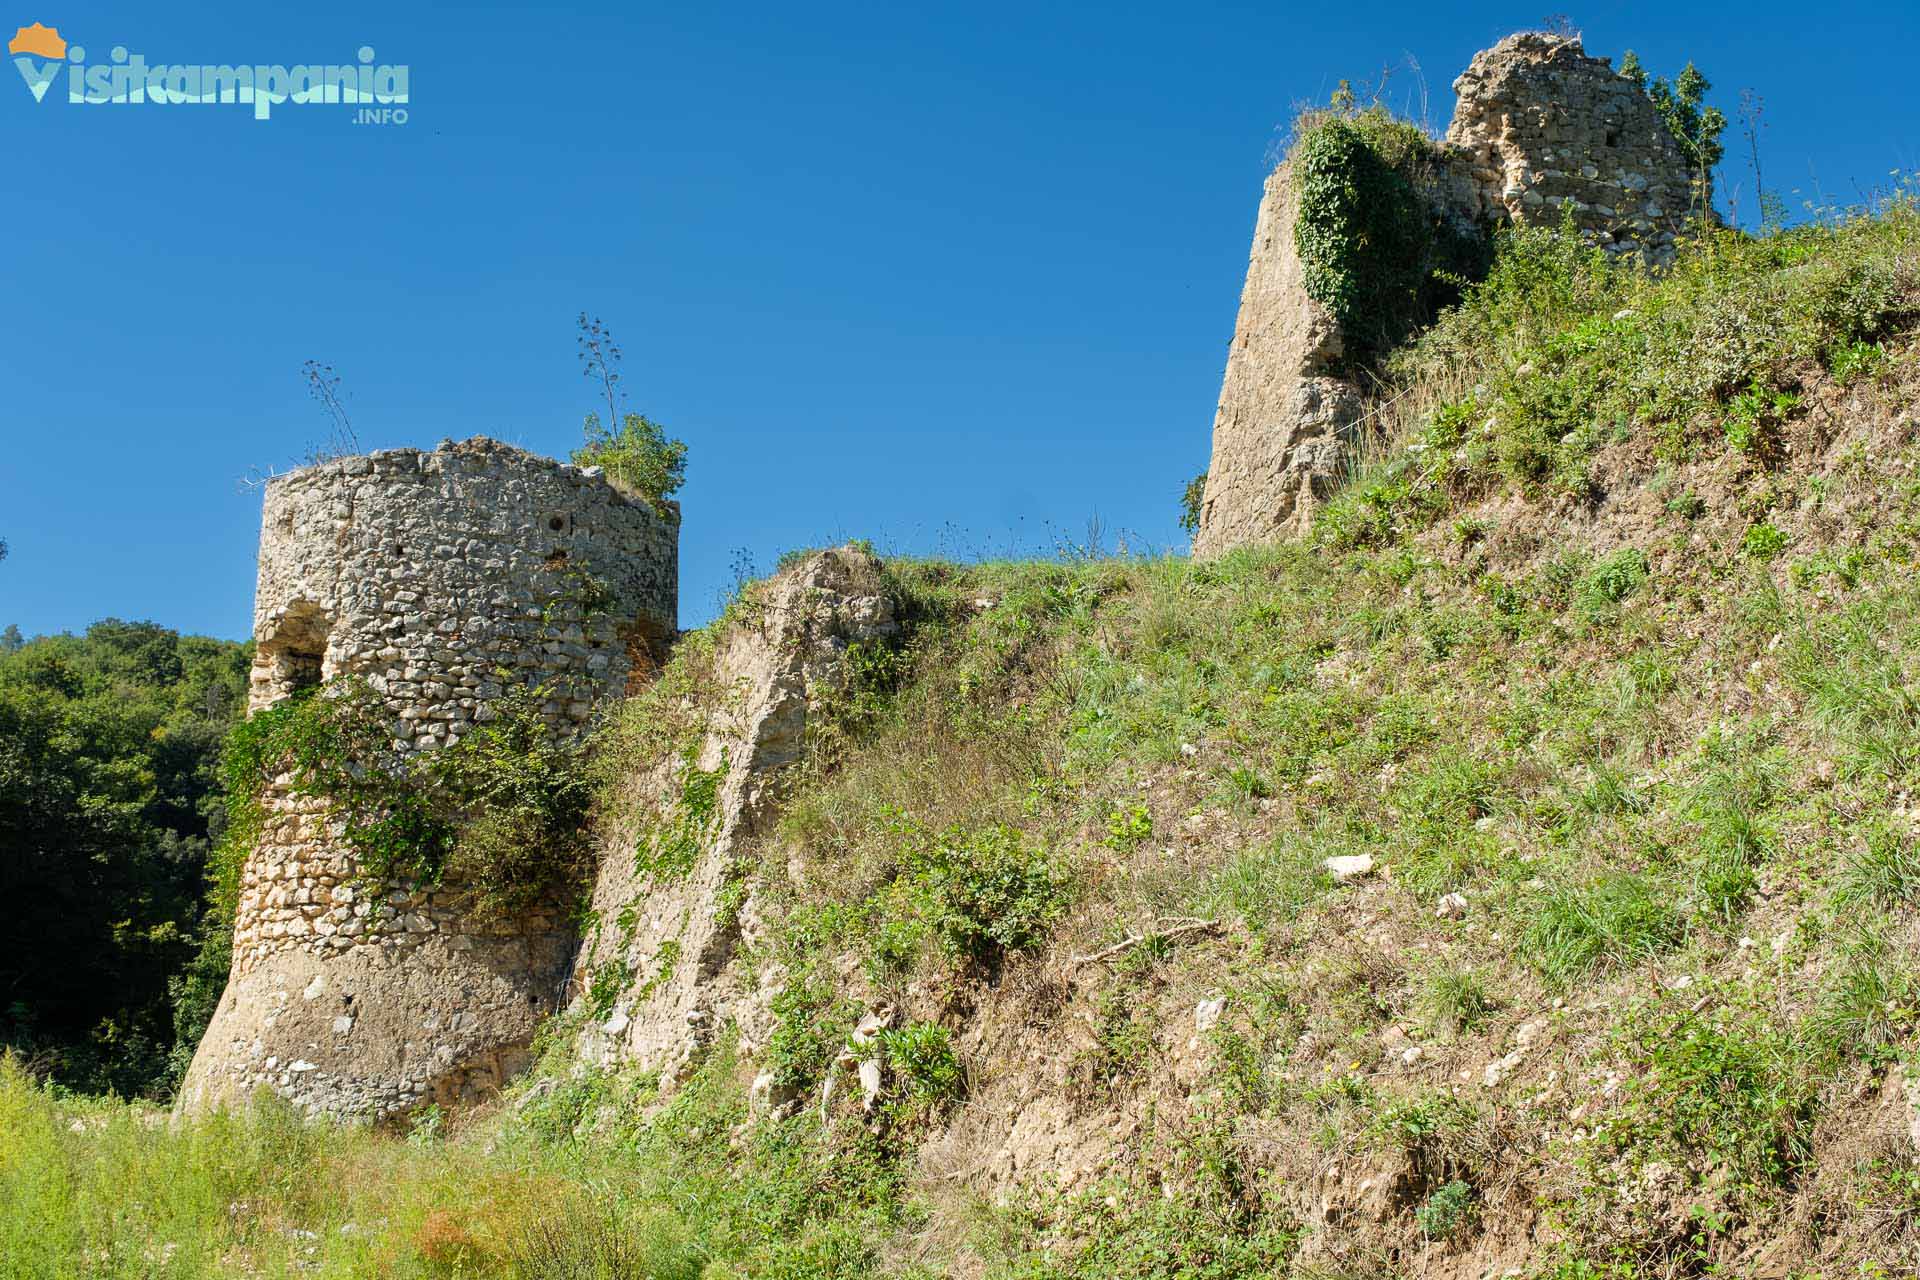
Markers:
<point>557,523</point>
<point>294,651</point>
<point>1613,138</point>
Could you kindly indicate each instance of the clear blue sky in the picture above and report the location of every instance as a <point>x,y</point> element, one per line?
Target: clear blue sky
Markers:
<point>953,277</point>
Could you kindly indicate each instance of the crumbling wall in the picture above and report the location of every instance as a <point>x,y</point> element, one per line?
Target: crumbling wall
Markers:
<point>1540,131</point>
<point>655,974</point>
<point>1280,434</point>
<point>1549,130</point>
<point>443,580</point>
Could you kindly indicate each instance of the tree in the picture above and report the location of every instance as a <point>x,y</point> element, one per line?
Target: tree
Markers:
<point>1695,126</point>
<point>637,455</point>
<point>109,804</point>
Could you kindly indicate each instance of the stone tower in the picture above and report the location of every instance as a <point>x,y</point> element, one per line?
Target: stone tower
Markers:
<point>443,580</point>
<point>1540,131</point>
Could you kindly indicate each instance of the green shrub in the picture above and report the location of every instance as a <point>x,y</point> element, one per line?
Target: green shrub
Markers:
<point>1694,125</point>
<point>1755,414</point>
<point>638,457</point>
<point>921,1055</point>
<point>1611,580</point>
<point>1763,542</point>
<point>1726,1087</point>
<point>1191,498</point>
<point>1446,1212</point>
<point>1849,362</point>
<point>981,893</point>
<point>811,1023</point>
<point>1128,827</point>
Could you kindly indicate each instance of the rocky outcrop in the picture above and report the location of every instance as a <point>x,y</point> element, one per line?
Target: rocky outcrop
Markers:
<point>655,976</point>
<point>1541,131</point>
<point>442,580</point>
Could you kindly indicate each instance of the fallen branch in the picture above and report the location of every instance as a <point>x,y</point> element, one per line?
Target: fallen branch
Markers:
<point>1128,944</point>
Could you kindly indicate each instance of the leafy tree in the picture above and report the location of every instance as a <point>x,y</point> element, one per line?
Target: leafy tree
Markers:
<point>109,801</point>
<point>1694,125</point>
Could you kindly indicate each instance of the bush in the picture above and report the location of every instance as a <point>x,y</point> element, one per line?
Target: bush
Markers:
<point>1612,580</point>
<point>1446,1211</point>
<point>1725,1088</point>
<point>921,1055</point>
<point>982,893</point>
<point>1763,541</point>
<point>638,457</point>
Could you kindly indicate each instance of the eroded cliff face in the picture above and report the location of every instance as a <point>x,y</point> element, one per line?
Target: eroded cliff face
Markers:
<point>655,977</point>
<point>1541,132</point>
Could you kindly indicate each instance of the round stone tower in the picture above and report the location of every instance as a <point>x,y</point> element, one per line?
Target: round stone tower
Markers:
<point>443,580</point>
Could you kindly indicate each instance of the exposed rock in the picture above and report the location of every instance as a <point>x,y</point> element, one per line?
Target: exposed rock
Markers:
<point>770,672</point>
<point>1348,867</point>
<point>1452,906</point>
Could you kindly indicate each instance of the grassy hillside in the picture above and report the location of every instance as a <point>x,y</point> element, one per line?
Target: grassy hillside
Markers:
<point>1519,877</point>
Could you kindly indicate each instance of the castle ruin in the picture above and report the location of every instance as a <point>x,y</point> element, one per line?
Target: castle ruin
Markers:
<point>443,580</point>
<point>1540,132</point>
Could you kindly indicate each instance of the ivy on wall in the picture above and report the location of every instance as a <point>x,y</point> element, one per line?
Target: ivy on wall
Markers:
<point>500,814</point>
<point>1373,250</point>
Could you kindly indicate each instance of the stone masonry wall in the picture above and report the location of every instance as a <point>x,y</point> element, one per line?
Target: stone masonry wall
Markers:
<point>1539,130</point>
<point>1546,126</point>
<point>443,580</point>
<point>1281,432</point>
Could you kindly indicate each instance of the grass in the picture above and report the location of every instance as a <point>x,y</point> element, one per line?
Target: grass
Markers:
<point>1535,656</point>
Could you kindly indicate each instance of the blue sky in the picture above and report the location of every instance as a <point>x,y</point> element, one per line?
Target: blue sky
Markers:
<point>957,278</point>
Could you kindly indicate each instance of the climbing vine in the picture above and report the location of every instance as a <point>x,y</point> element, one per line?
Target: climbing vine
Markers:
<point>502,813</point>
<point>1372,249</point>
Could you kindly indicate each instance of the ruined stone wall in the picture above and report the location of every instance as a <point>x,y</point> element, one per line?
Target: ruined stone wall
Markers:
<point>1546,127</point>
<point>1539,129</point>
<point>1280,435</point>
<point>444,580</point>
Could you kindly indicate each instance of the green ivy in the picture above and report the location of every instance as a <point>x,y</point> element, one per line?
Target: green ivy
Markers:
<point>667,848</point>
<point>500,813</point>
<point>1372,249</point>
